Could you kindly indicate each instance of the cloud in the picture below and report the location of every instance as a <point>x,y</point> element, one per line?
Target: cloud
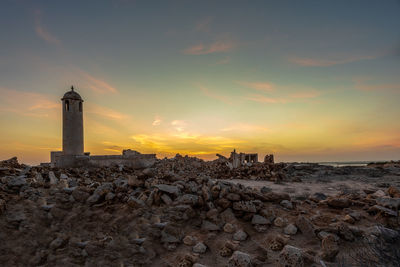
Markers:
<point>96,84</point>
<point>214,95</point>
<point>260,86</point>
<point>157,121</point>
<point>41,31</point>
<point>361,84</point>
<point>105,112</point>
<point>315,62</point>
<point>204,25</point>
<point>305,94</point>
<point>179,125</point>
<point>266,99</point>
<point>29,104</point>
<point>283,100</point>
<point>224,60</point>
<point>244,127</point>
<point>216,47</point>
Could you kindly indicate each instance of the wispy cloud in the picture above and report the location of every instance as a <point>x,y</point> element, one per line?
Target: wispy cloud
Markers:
<point>216,47</point>
<point>157,121</point>
<point>260,86</point>
<point>244,127</point>
<point>30,104</point>
<point>97,85</point>
<point>214,95</point>
<point>266,99</point>
<point>204,25</point>
<point>363,85</point>
<point>293,97</point>
<point>224,60</point>
<point>105,112</point>
<point>41,31</point>
<point>179,125</point>
<point>305,94</point>
<point>318,62</point>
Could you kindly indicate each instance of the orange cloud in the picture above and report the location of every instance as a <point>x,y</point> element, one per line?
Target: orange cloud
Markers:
<point>216,47</point>
<point>313,62</point>
<point>97,85</point>
<point>157,121</point>
<point>214,95</point>
<point>41,30</point>
<point>306,94</point>
<point>260,86</point>
<point>265,99</point>
<point>244,127</point>
<point>105,112</point>
<point>29,104</point>
<point>360,84</point>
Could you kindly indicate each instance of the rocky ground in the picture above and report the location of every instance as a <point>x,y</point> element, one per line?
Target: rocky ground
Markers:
<point>187,212</point>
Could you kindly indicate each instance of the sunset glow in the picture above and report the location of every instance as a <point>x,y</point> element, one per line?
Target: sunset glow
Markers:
<point>311,82</point>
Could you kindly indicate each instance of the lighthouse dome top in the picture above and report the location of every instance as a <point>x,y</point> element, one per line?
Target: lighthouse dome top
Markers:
<point>72,95</point>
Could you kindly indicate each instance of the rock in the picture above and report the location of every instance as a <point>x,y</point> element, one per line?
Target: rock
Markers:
<point>209,226</point>
<point>170,189</point>
<point>378,193</point>
<point>80,196</point>
<point>53,178</point>
<point>339,203</point>
<point>382,210</point>
<point>269,214</point>
<point>16,181</point>
<point>291,256</point>
<point>317,197</point>
<point>246,206</point>
<point>286,204</point>
<point>276,242</point>
<point>258,219</point>
<point>166,199</point>
<point>189,240</point>
<point>188,199</point>
<point>56,243</point>
<point>239,235</point>
<point>239,259</point>
<point>305,226</point>
<point>323,234</point>
<point>349,219</point>
<point>290,229</point>
<point>135,203</point>
<point>227,216</point>
<point>393,191</point>
<point>200,248</point>
<point>229,228</point>
<point>233,197</point>
<point>345,232</point>
<point>330,248</point>
<point>391,203</point>
<point>275,197</point>
<point>280,222</point>
<point>198,265</point>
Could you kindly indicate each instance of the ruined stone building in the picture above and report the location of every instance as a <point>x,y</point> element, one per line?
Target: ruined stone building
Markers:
<point>73,155</point>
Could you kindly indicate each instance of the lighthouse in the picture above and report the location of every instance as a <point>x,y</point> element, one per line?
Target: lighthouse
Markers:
<point>72,112</point>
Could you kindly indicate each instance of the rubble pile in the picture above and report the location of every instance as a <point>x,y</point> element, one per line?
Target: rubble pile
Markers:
<point>178,213</point>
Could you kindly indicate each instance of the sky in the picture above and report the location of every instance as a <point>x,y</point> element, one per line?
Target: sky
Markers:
<point>303,80</point>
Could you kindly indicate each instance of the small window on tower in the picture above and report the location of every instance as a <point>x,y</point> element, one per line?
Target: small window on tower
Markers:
<point>67,105</point>
<point>80,106</point>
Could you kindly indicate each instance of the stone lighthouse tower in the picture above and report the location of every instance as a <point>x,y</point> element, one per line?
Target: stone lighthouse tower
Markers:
<point>72,123</point>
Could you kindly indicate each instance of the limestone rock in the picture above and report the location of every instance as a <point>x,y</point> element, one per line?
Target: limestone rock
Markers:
<point>291,256</point>
<point>305,226</point>
<point>290,229</point>
<point>200,248</point>
<point>240,259</point>
<point>240,235</point>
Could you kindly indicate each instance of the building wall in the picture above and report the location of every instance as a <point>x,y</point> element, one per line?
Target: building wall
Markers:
<point>72,127</point>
